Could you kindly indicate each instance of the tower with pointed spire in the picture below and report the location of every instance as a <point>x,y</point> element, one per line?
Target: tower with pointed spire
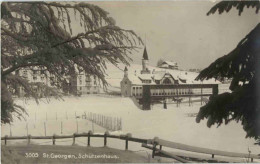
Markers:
<point>126,72</point>
<point>145,62</point>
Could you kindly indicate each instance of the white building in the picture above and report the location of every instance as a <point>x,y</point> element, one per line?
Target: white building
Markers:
<point>131,85</point>
<point>81,83</point>
<point>169,65</point>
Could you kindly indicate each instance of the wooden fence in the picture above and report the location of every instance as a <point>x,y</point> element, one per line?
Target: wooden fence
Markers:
<point>128,137</point>
<point>151,144</point>
<point>107,122</point>
<point>216,155</point>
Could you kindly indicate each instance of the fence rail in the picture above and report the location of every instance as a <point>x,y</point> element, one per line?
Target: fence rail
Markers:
<point>181,157</point>
<point>164,143</point>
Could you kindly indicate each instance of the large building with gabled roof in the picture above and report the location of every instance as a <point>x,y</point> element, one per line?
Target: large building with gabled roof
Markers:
<point>131,84</point>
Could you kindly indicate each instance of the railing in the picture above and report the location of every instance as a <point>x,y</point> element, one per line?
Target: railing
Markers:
<point>89,135</point>
<point>155,92</point>
<point>152,145</point>
<point>183,156</point>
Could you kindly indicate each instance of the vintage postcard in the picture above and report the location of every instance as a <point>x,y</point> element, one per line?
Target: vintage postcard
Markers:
<point>130,81</point>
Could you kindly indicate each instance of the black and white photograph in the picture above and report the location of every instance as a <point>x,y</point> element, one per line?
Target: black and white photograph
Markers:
<point>130,81</point>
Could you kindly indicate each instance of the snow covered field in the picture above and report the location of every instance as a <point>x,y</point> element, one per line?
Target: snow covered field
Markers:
<point>174,124</point>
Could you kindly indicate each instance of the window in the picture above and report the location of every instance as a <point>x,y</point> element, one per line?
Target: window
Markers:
<point>52,81</point>
<point>80,81</point>
<point>42,71</point>
<point>125,82</point>
<point>34,71</point>
<point>42,78</point>
<point>80,88</point>
<point>166,81</point>
<point>34,77</point>
<point>88,78</point>
<point>88,83</point>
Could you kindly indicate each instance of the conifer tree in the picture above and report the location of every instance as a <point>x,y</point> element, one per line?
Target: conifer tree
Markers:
<point>242,66</point>
<point>61,38</point>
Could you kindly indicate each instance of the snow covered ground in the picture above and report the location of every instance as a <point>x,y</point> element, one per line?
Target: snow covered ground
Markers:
<point>174,124</point>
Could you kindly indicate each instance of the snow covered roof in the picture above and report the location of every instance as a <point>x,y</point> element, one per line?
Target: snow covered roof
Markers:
<point>145,76</point>
<point>170,63</point>
<point>158,76</point>
<point>134,79</point>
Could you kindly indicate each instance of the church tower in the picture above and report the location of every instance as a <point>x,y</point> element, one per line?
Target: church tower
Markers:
<point>145,62</point>
<point>126,72</point>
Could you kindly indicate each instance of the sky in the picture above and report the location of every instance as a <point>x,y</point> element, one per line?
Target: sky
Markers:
<point>181,31</point>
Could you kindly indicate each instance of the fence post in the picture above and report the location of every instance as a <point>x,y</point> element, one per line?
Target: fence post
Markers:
<point>105,138</point>
<point>77,126</point>
<point>155,142</point>
<point>201,96</point>
<point>10,130</point>
<point>92,126</point>
<point>53,139</point>
<point>45,128</point>
<point>164,104</point>
<point>177,90</point>
<point>74,139</point>
<point>120,123</point>
<point>61,127</point>
<point>6,139</point>
<point>128,135</point>
<point>29,139</point>
<point>89,134</point>
<point>27,128</point>
<point>189,100</point>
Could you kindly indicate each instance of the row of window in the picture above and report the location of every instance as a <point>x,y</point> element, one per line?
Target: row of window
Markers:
<point>180,92</point>
<point>137,91</point>
<point>87,82</point>
<point>147,81</point>
<point>88,88</point>
<point>137,88</point>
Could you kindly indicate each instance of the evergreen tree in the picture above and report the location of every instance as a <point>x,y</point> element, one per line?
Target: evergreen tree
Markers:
<point>242,65</point>
<point>46,35</point>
